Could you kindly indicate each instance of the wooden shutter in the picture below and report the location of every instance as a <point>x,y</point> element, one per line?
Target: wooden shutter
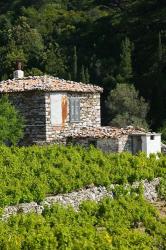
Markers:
<point>56,109</point>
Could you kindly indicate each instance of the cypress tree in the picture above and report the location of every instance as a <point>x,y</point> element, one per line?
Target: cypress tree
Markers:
<point>75,64</point>
<point>87,76</point>
<point>82,74</point>
<point>125,68</point>
<point>160,56</point>
<point>160,49</point>
<point>69,76</point>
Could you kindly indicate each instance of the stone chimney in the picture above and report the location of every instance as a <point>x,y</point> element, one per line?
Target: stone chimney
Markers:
<point>18,73</point>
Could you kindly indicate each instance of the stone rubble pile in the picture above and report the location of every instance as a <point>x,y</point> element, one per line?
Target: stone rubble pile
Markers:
<point>74,199</point>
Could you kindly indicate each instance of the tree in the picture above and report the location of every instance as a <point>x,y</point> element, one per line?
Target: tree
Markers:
<point>75,64</point>
<point>160,49</point>
<point>87,76</point>
<point>162,130</point>
<point>125,67</point>
<point>126,107</point>
<point>82,74</point>
<point>11,123</point>
<point>158,75</point>
<point>54,61</point>
<point>80,5</point>
<point>69,76</point>
<point>12,56</point>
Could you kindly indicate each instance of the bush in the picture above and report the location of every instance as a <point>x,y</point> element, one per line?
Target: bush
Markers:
<point>162,188</point>
<point>11,123</point>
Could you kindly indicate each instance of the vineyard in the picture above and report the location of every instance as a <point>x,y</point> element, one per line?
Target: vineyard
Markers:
<point>30,173</point>
<point>125,222</point>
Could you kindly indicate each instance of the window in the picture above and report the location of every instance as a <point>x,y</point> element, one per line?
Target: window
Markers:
<point>152,137</point>
<point>74,109</point>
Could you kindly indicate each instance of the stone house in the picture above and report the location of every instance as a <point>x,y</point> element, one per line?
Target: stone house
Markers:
<point>56,110</point>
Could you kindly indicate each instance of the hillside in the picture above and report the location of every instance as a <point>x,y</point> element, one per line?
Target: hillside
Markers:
<point>70,197</point>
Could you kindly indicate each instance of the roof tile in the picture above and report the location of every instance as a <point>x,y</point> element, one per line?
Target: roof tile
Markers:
<point>46,83</point>
<point>106,132</point>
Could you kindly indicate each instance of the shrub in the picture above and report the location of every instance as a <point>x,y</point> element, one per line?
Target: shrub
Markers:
<point>11,123</point>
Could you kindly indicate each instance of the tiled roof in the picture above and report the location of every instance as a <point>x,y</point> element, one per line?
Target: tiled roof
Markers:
<point>107,132</point>
<point>46,83</point>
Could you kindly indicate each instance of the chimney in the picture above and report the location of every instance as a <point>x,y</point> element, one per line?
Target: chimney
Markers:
<point>18,73</point>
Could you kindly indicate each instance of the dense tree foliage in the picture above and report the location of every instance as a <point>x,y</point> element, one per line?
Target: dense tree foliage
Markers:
<point>90,40</point>
<point>30,173</point>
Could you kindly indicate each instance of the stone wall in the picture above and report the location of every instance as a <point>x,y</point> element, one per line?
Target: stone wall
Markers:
<point>106,144</point>
<point>125,144</point>
<point>89,116</point>
<point>35,106</point>
<point>32,107</point>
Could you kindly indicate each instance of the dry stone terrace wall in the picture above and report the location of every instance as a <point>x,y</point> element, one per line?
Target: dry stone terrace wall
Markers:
<point>89,116</point>
<point>32,107</point>
<point>75,198</point>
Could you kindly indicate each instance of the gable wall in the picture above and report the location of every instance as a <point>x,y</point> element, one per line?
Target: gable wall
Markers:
<point>89,115</point>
